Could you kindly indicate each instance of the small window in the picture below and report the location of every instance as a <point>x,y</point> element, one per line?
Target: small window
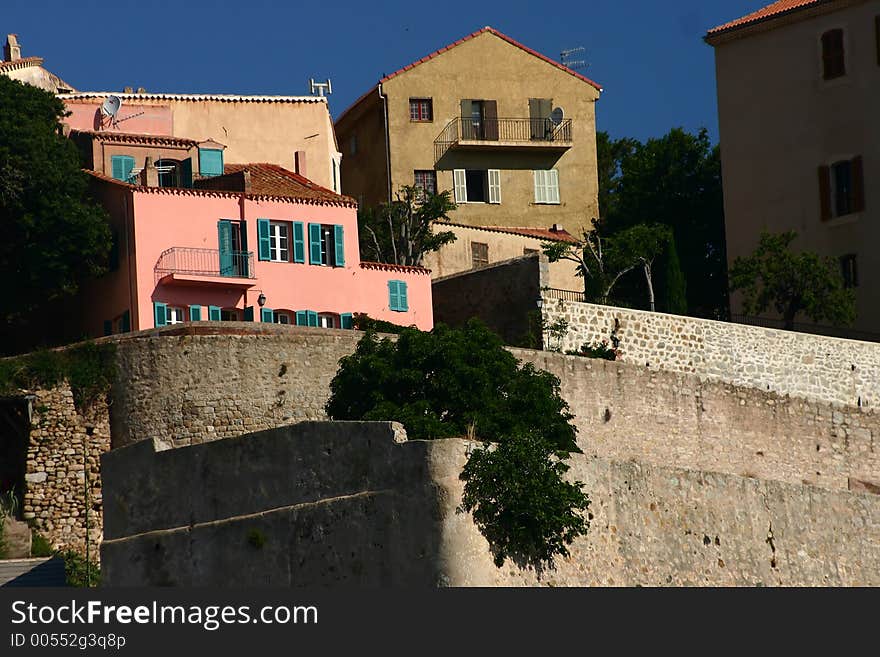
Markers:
<point>833,55</point>
<point>397,296</point>
<point>122,166</point>
<point>425,182</point>
<point>210,162</point>
<point>479,255</point>
<point>175,315</point>
<point>477,185</point>
<point>327,245</point>
<point>281,317</point>
<point>279,242</point>
<point>849,270</point>
<point>421,109</point>
<point>328,320</point>
<point>229,315</point>
<point>169,173</point>
<point>547,186</point>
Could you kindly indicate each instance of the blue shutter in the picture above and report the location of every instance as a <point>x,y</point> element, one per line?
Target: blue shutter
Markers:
<point>160,313</point>
<point>315,244</point>
<point>302,317</point>
<point>249,314</point>
<point>195,313</point>
<point>313,317</point>
<point>122,166</point>
<point>403,305</point>
<point>338,241</point>
<point>266,315</point>
<point>263,235</point>
<point>210,162</point>
<point>214,313</point>
<point>345,321</point>
<point>108,327</point>
<point>299,243</point>
<point>224,230</point>
<point>393,299</point>
<point>125,322</point>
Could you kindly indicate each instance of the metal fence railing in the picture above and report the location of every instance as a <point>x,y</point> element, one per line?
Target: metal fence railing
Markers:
<point>488,130</point>
<point>205,262</point>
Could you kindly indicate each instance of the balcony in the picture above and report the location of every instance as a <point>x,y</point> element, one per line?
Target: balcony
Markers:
<point>182,265</point>
<point>468,133</point>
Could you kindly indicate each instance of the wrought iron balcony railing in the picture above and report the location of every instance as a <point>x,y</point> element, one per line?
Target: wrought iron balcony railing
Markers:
<point>205,262</point>
<point>519,132</point>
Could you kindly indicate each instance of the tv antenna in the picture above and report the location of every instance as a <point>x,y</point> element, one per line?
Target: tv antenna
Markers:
<point>110,110</point>
<point>565,58</point>
<point>318,88</point>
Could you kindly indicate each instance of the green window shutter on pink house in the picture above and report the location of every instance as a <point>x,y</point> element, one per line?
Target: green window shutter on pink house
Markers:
<point>214,313</point>
<point>299,242</point>
<point>315,244</point>
<point>339,242</point>
<point>266,315</point>
<point>210,162</point>
<point>302,317</point>
<point>263,235</point>
<point>346,321</point>
<point>122,166</point>
<point>160,314</point>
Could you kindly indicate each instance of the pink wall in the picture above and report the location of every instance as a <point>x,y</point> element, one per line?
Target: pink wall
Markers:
<point>155,120</point>
<point>174,219</point>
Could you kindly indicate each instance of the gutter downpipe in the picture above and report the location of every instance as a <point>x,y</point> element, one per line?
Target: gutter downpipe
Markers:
<point>387,139</point>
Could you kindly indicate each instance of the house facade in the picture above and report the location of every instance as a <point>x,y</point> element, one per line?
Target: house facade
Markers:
<point>798,101</point>
<point>255,243</point>
<point>513,138</point>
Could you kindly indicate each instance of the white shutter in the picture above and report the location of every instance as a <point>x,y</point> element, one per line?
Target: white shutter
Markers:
<point>540,187</point>
<point>459,180</point>
<point>552,186</point>
<point>494,186</point>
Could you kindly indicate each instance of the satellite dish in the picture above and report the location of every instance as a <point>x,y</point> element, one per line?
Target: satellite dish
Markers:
<point>556,116</point>
<point>111,106</point>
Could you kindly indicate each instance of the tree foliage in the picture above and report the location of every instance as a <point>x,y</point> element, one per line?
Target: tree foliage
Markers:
<point>674,180</point>
<point>521,503</point>
<point>792,283</point>
<point>53,237</point>
<point>401,232</point>
<point>450,382</point>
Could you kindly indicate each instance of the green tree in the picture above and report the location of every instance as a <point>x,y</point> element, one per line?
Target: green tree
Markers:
<point>674,180</point>
<point>401,232</point>
<point>792,283</point>
<point>673,283</point>
<point>53,237</point>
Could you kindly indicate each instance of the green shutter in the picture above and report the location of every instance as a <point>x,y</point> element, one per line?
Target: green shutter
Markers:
<point>249,314</point>
<point>338,241</point>
<point>242,262</point>
<point>315,244</point>
<point>393,300</point>
<point>313,317</point>
<point>122,166</point>
<point>302,317</point>
<point>224,231</point>
<point>210,162</point>
<point>403,304</point>
<point>346,321</point>
<point>186,173</point>
<point>299,244</point>
<point>108,327</point>
<point>214,313</point>
<point>195,313</point>
<point>266,315</point>
<point>263,235</point>
<point>160,313</point>
<point>125,322</point>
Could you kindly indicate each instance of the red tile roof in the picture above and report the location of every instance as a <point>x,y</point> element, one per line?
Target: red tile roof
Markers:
<point>406,269</point>
<point>134,138</point>
<point>23,62</point>
<point>766,13</point>
<point>548,234</point>
<point>273,180</point>
<point>513,42</point>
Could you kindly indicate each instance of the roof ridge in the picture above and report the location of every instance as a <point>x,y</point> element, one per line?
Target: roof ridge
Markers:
<point>773,10</point>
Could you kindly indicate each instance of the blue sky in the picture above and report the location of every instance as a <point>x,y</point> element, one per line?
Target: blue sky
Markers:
<point>648,55</point>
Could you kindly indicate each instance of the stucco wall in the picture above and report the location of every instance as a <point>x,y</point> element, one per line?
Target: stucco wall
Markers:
<point>346,504</point>
<point>786,362</point>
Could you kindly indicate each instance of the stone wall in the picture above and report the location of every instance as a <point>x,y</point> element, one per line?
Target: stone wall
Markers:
<point>350,504</point>
<point>64,449</point>
<point>800,364</point>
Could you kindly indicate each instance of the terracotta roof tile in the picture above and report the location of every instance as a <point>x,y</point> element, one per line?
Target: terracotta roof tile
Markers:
<point>90,96</point>
<point>21,63</point>
<point>272,180</point>
<point>406,269</point>
<point>765,13</point>
<point>549,234</point>
<point>134,138</point>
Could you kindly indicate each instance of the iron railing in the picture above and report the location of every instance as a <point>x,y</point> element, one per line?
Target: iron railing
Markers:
<point>205,262</point>
<point>565,295</point>
<point>518,131</point>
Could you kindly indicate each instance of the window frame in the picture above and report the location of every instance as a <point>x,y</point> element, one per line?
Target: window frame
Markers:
<point>479,255</point>
<point>833,62</point>
<point>429,175</point>
<point>841,196</point>
<point>420,103</point>
<point>849,270</point>
<point>545,192</point>
<point>276,239</point>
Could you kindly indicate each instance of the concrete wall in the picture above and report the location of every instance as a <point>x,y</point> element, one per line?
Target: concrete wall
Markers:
<point>779,120</point>
<point>502,295</point>
<point>346,504</point>
<point>800,364</point>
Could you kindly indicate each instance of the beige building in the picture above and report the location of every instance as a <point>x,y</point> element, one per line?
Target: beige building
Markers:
<point>29,70</point>
<point>798,104</point>
<point>513,138</point>
<point>479,246</point>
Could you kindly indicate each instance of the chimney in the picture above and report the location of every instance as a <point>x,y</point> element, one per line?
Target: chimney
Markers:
<point>247,181</point>
<point>127,90</point>
<point>556,228</point>
<point>141,90</point>
<point>11,51</point>
<point>149,174</point>
<point>299,163</point>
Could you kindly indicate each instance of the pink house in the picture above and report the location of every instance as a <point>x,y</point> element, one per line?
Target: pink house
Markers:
<point>257,243</point>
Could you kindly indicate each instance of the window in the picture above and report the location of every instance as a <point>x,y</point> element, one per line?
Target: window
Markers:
<point>232,243</point>
<point>479,255</point>
<point>229,315</point>
<point>841,188</point>
<point>539,118</point>
<point>426,182</point>
<point>122,166</point>
<point>210,162</point>
<point>335,167</point>
<point>328,320</point>
<point>833,55</point>
<point>397,300</point>
<point>163,314</point>
<point>327,245</point>
<point>195,313</point>
<point>281,317</point>
<point>275,241</point>
<point>477,186</point>
<point>421,109</point>
<point>849,270</point>
<point>169,173</point>
<point>306,318</point>
<point>353,145</point>
<point>278,242</point>
<point>479,120</point>
<point>547,186</point>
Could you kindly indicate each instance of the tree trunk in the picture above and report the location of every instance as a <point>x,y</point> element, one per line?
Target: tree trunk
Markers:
<point>647,267</point>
